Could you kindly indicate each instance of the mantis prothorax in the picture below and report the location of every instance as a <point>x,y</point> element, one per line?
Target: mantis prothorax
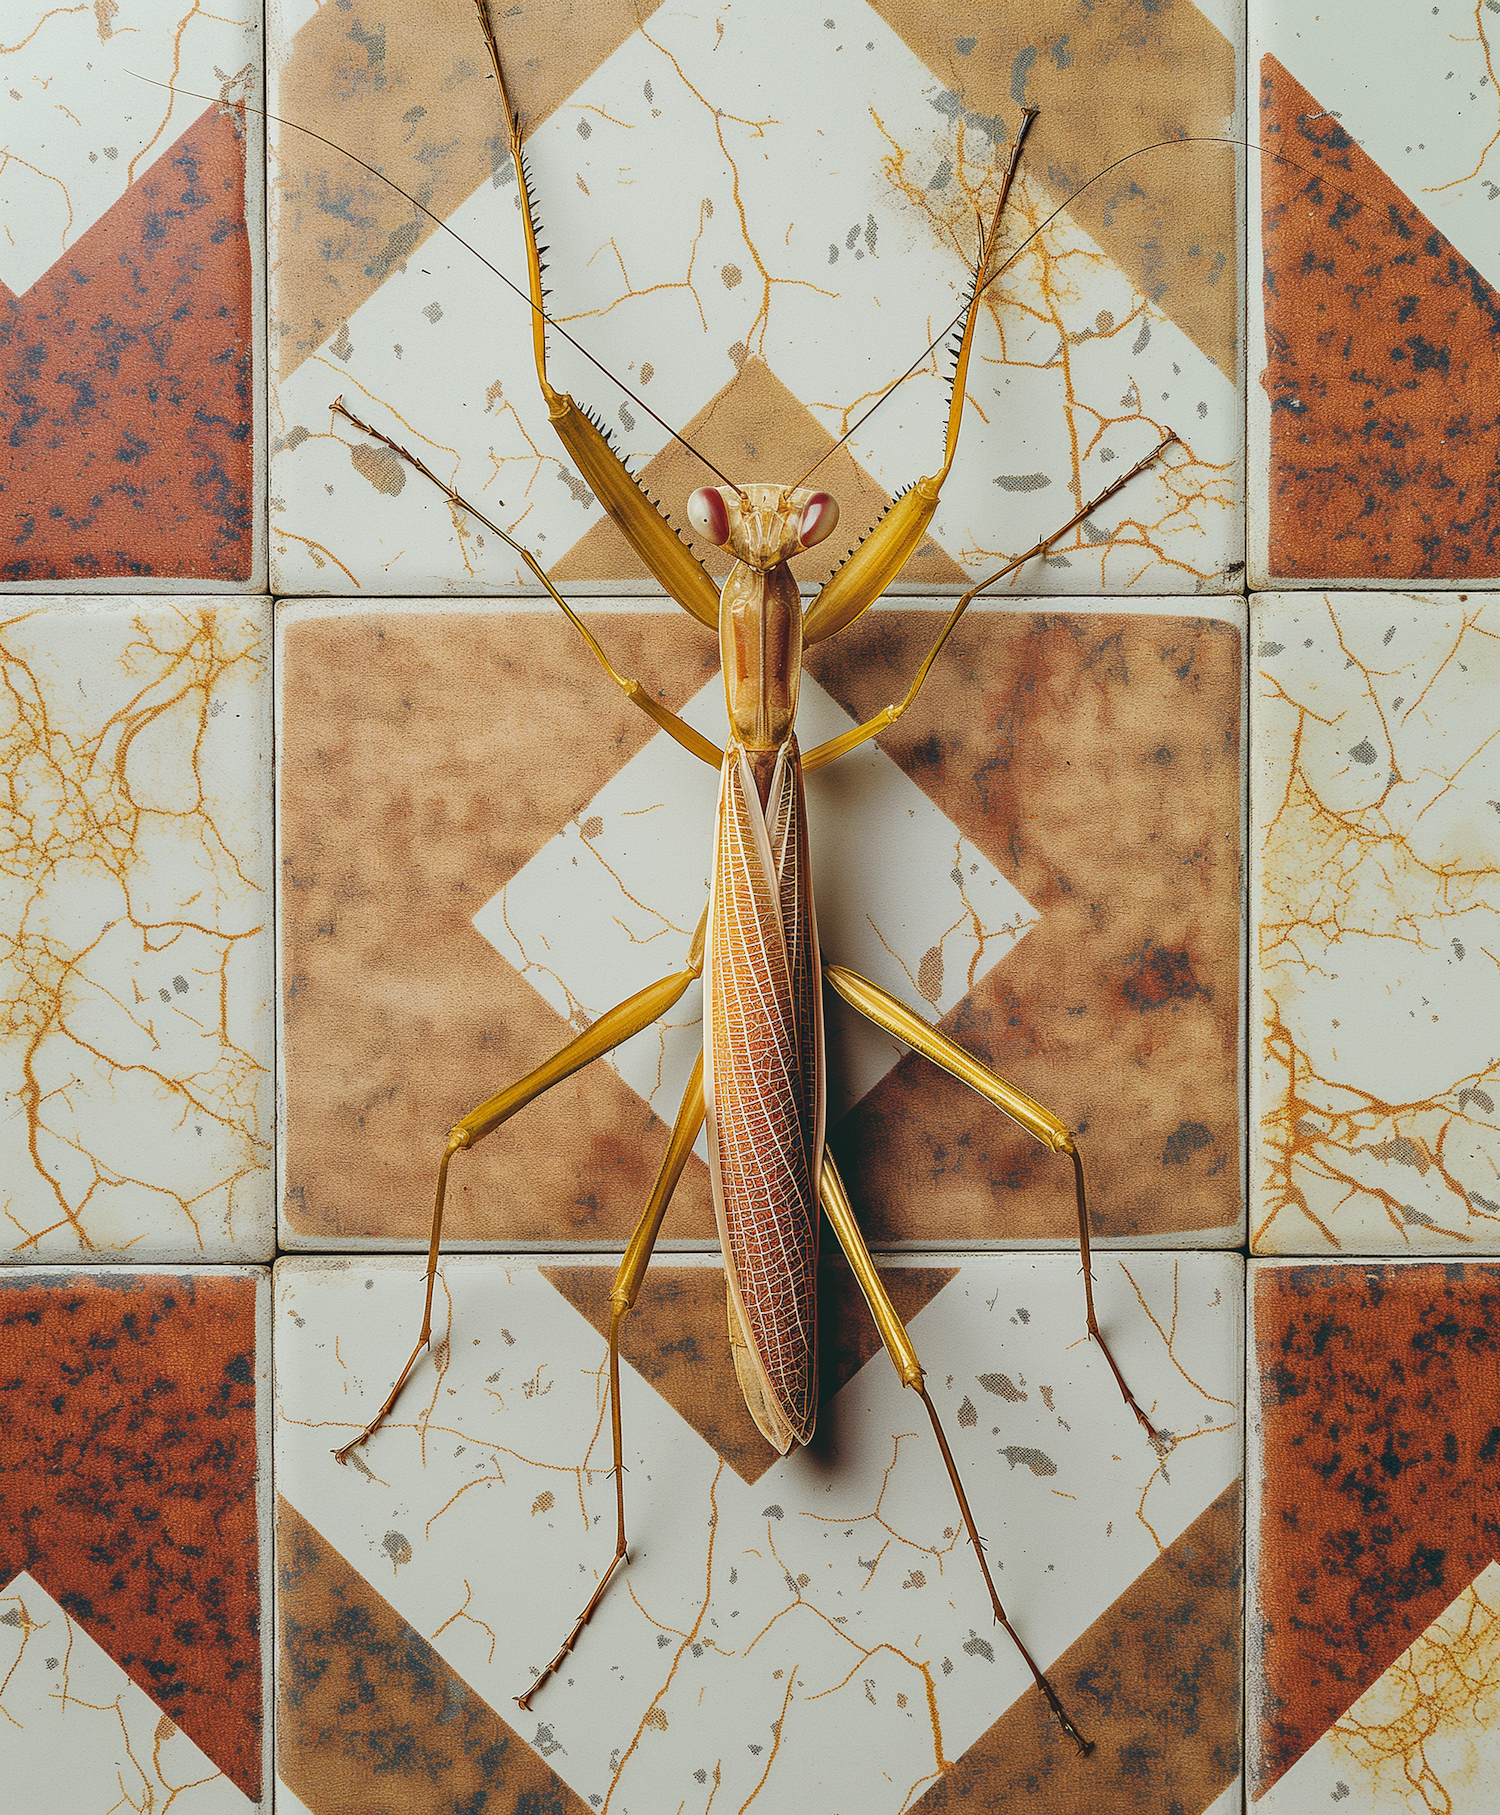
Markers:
<point>759,1084</point>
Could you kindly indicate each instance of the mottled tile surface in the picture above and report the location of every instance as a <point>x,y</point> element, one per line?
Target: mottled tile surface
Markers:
<point>757,257</point>
<point>136,955</point>
<point>1375,1061</point>
<point>1374,338</point>
<point>1081,772</point>
<point>1374,1628</point>
<point>807,1624</point>
<point>134,1489</point>
<point>129,295</point>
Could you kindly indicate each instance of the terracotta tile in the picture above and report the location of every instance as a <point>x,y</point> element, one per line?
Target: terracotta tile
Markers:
<point>135,975</point>
<point>1374,1624</point>
<point>481,852</point>
<point>811,1623</point>
<point>133,1518</point>
<point>129,298</point>
<point>755,272</point>
<point>1376,899</point>
<point>1373,340</point>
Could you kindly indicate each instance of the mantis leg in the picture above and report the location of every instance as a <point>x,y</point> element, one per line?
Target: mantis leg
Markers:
<point>898,1343</point>
<point>896,1018</point>
<point>887,716</point>
<point>684,733</point>
<point>621,1298</point>
<point>639,520</point>
<point>610,1030</point>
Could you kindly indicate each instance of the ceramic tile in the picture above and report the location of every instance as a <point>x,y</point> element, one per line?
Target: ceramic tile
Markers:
<point>1374,1605</point>
<point>758,223</point>
<point>482,847</point>
<point>134,1503</point>
<point>1376,896</point>
<point>136,969</point>
<point>1373,422</point>
<point>803,1629</point>
<point>130,312</point>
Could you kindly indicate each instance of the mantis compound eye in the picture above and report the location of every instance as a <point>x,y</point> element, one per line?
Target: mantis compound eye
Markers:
<point>820,517</point>
<point>709,515</point>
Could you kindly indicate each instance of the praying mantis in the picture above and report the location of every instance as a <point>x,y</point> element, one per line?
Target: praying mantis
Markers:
<point>764,626</point>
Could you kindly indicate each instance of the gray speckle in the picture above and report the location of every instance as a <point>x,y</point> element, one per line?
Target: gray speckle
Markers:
<point>581,493</point>
<point>1036,1460</point>
<point>1267,650</point>
<point>396,1547</point>
<point>1364,751</point>
<point>1403,1152</point>
<point>1003,1386</point>
<point>1022,482</point>
<point>978,1647</point>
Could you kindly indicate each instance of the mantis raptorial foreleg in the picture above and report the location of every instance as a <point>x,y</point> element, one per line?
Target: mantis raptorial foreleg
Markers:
<point>622,1298</point>
<point>887,716</point>
<point>840,1214</point>
<point>644,526</point>
<point>887,1012</point>
<point>615,1026</point>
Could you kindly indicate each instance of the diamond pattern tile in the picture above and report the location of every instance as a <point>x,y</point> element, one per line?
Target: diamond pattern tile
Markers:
<point>756,259</point>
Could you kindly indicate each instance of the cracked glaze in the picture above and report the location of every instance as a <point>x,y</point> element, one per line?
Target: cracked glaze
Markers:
<point>756,263</point>
<point>817,1628</point>
<point>135,961</point>
<point>72,1715</point>
<point>1377,902</point>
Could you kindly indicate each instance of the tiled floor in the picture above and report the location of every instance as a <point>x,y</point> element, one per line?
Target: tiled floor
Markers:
<point>1213,872</point>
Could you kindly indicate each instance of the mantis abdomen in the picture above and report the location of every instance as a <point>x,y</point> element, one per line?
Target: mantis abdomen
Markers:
<point>763,1089</point>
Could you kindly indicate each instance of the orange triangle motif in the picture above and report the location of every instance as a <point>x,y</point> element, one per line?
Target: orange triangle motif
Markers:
<point>1381,350</point>
<point>126,383</point>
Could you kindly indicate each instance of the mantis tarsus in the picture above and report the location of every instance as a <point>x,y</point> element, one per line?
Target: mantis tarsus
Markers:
<point>761,1087</point>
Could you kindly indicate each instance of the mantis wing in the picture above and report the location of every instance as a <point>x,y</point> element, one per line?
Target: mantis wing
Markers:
<point>762,1084</point>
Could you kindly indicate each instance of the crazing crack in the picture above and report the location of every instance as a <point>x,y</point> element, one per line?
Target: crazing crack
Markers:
<point>1339,879</point>
<point>86,815</point>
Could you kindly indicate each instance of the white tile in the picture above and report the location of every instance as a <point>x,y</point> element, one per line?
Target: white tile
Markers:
<point>1375,1062</point>
<point>136,976</point>
<point>690,223</point>
<point>835,1580</point>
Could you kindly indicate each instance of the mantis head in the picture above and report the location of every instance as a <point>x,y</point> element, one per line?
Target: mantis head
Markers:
<point>762,525</point>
